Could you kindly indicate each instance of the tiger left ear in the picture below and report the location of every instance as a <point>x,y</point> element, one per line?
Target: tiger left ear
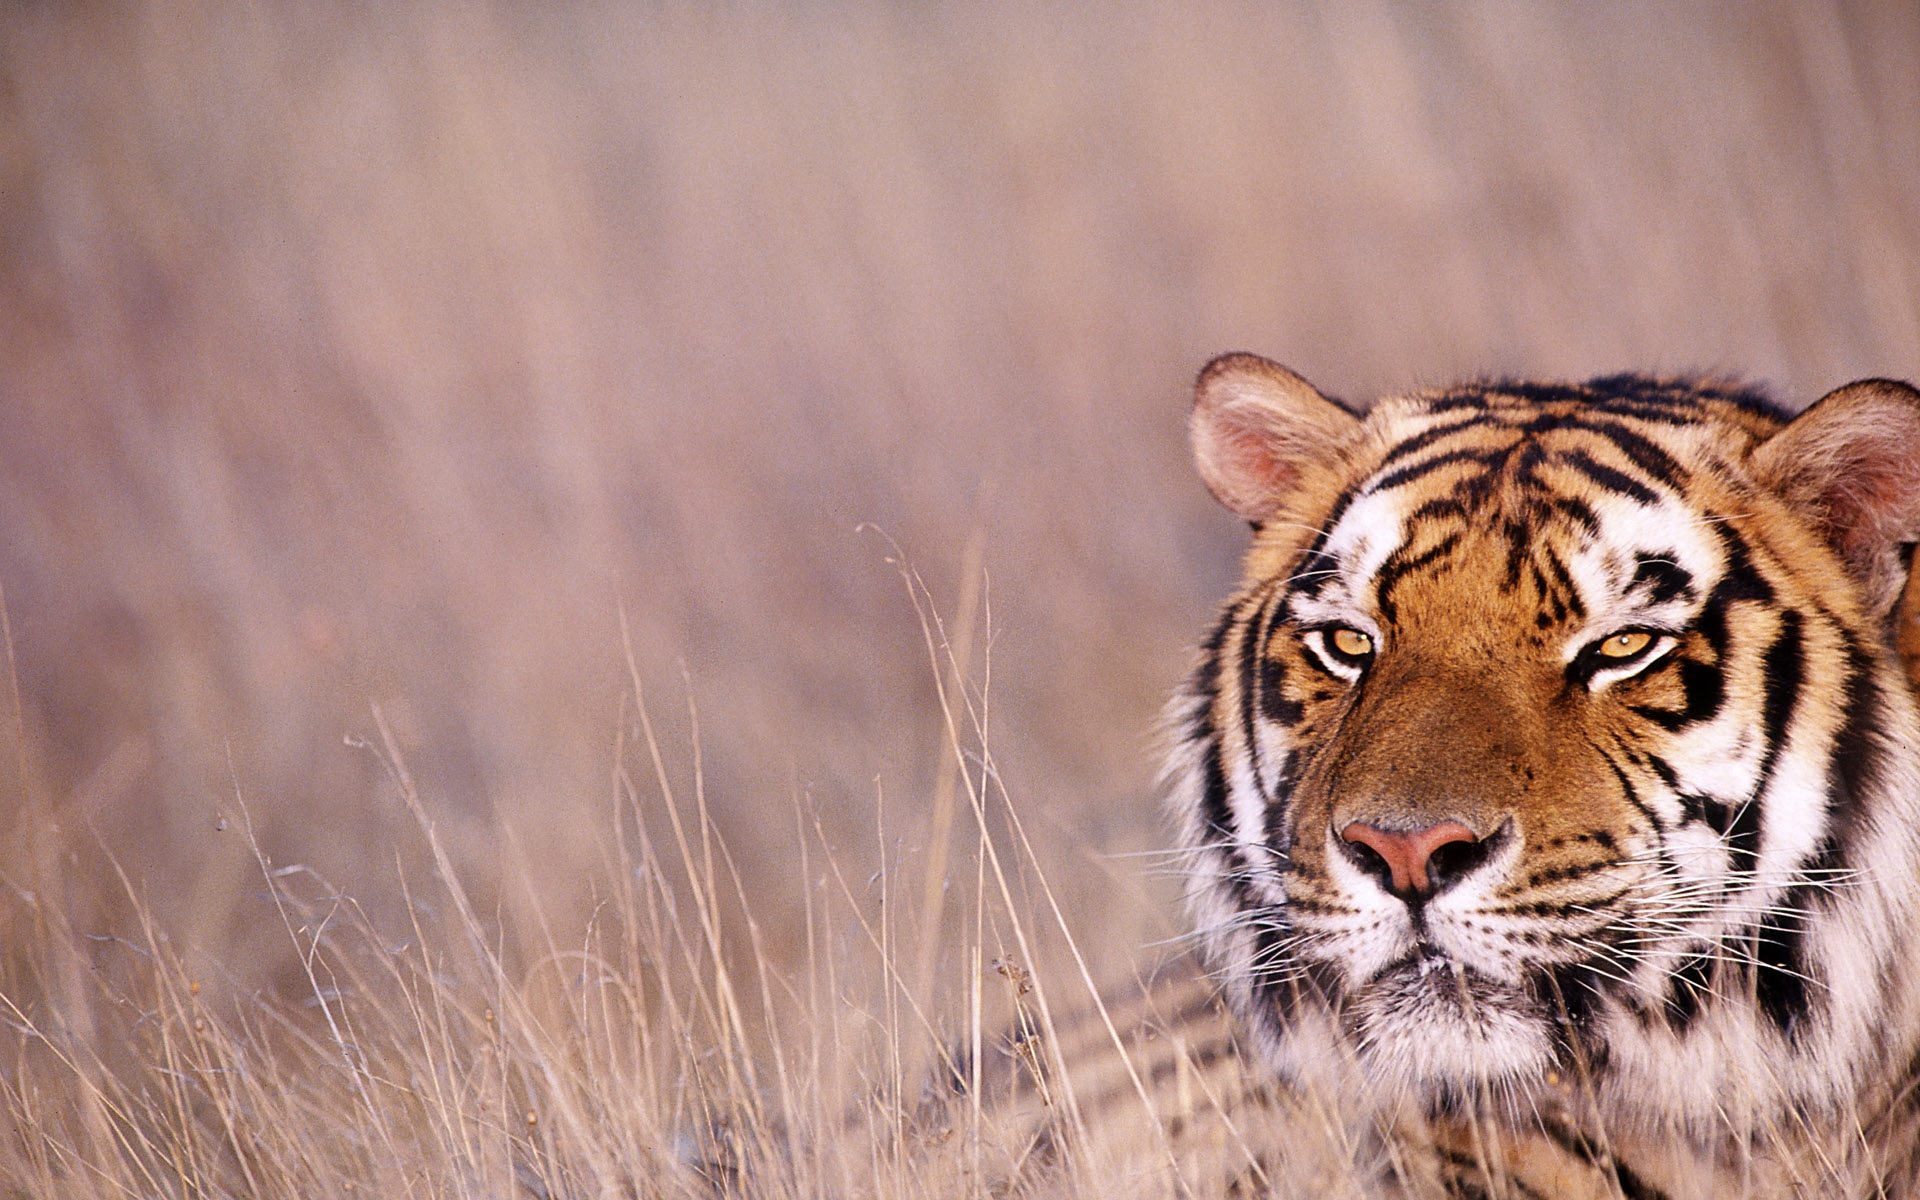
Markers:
<point>1851,462</point>
<point>1258,429</point>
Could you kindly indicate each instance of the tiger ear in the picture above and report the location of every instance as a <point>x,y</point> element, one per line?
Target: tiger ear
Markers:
<point>1851,462</point>
<point>1257,427</point>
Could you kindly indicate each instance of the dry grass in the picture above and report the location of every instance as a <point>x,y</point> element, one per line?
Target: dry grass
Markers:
<point>361,360</point>
<point>646,1054</point>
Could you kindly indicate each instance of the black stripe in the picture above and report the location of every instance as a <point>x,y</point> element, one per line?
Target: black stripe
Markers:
<point>1741,831</point>
<point>1718,814</point>
<point>1780,985</point>
<point>1679,413</point>
<point>1662,577</point>
<point>1780,962</point>
<point>1682,399</point>
<point>1710,623</point>
<point>1657,463</point>
<point>1742,580</point>
<point>1275,978</point>
<point>1316,566</point>
<point>1575,510</point>
<point>1278,830</point>
<point>1692,807</point>
<point>1274,704</point>
<point>1608,478</point>
<point>1687,989</point>
<point>1215,804</point>
<point>1627,790</point>
<point>1702,690</point>
<point>1632,1187</point>
<point>1556,608</point>
<point>1439,508</point>
<point>1632,386</point>
<point>1783,674</point>
<point>1398,566</point>
<point>1704,687</point>
<point>1519,538</point>
<point>1420,441</point>
<point>1582,1147</point>
<point>1578,991</point>
<point>1541,393</point>
<point>1205,685</point>
<point>1426,466</point>
<point>1547,422</point>
<point>1458,401</point>
<point>1856,769</point>
<point>1252,636</point>
<point>1568,590</point>
<point>1526,467</point>
<point>1474,491</point>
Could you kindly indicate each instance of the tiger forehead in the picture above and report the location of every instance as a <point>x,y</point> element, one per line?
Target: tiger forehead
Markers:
<point>1481,587</point>
<point>1501,450</point>
<point>1505,504</point>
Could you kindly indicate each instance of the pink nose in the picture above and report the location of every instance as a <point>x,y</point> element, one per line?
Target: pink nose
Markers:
<point>1406,854</point>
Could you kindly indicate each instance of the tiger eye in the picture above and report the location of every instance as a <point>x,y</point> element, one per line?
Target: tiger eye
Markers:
<point>1352,643</point>
<point>1625,645</point>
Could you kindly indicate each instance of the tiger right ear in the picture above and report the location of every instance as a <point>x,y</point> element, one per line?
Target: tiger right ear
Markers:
<point>1851,462</point>
<point>1257,427</point>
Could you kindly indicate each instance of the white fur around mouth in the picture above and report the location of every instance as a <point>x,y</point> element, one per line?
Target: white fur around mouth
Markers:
<point>1430,1022</point>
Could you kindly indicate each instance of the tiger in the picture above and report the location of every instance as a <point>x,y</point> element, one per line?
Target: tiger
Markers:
<point>1553,779</point>
<point>1548,796</point>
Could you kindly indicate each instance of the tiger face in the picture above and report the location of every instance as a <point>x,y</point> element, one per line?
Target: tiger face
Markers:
<point>1556,733</point>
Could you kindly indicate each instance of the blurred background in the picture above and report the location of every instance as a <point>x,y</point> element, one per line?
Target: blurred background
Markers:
<point>367,359</point>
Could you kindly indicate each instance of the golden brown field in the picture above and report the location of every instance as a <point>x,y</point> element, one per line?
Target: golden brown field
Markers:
<point>536,538</point>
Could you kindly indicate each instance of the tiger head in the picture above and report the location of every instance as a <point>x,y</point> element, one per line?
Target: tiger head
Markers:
<point>1555,731</point>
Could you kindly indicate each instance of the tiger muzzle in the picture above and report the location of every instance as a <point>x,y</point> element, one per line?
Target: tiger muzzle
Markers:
<point>1430,781</point>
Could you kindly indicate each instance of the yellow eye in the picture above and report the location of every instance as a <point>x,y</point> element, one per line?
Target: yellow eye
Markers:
<point>1351,642</point>
<point>1626,645</point>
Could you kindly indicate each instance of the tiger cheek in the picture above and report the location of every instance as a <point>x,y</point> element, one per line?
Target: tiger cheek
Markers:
<point>1578,804</point>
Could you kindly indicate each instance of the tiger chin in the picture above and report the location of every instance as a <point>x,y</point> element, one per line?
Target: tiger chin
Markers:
<point>1553,774</point>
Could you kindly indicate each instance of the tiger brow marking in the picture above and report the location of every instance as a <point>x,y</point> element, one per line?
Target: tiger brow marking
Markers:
<point>1400,565</point>
<point>1662,576</point>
